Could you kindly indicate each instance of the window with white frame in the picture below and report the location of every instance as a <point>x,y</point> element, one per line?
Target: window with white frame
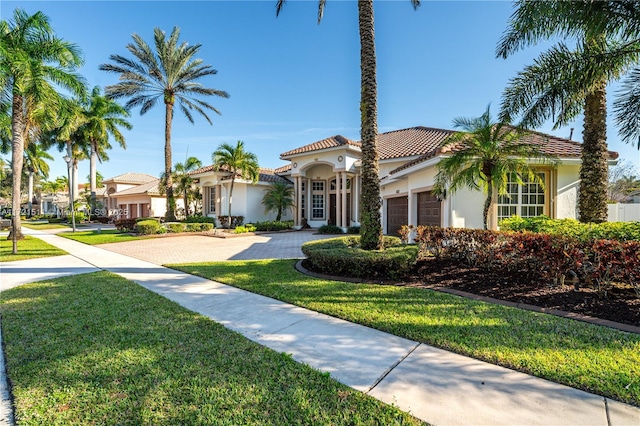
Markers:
<point>317,199</point>
<point>212,200</point>
<point>526,200</point>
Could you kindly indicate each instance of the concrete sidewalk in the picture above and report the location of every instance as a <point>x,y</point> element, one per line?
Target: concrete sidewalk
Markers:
<point>439,387</point>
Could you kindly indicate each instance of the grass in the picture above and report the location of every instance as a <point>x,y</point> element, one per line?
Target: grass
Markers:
<point>98,349</point>
<point>594,358</point>
<point>43,226</point>
<point>29,248</point>
<point>103,237</point>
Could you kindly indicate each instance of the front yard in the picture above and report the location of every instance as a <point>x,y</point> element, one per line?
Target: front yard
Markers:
<point>28,248</point>
<point>586,356</point>
<point>98,349</point>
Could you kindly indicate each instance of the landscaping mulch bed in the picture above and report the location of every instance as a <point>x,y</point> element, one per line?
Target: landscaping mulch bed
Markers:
<point>622,304</point>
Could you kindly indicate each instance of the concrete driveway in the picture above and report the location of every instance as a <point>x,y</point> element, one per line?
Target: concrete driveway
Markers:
<point>197,248</point>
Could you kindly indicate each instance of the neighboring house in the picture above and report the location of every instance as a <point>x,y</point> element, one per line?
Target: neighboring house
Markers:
<point>247,196</point>
<point>133,195</point>
<point>327,182</point>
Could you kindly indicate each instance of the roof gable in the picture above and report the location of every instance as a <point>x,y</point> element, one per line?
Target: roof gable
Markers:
<point>331,142</point>
<point>149,188</point>
<point>131,178</point>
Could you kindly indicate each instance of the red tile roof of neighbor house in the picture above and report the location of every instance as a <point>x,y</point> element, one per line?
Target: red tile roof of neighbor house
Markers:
<point>149,188</point>
<point>265,174</point>
<point>133,178</point>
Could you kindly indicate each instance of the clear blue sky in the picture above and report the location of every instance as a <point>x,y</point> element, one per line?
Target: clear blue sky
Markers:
<point>292,82</point>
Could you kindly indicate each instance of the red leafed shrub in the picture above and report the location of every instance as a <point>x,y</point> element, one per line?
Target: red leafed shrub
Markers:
<point>125,224</point>
<point>596,263</point>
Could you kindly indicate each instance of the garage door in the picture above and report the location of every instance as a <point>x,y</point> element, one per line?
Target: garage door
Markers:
<point>429,209</point>
<point>397,214</point>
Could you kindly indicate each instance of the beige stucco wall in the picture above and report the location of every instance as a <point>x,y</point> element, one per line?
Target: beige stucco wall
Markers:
<point>566,197</point>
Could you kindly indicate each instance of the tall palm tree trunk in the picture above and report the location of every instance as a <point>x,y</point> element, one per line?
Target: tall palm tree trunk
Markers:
<point>592,197</point>
<point>92,175</point>
<point>170,216</point>
<point>17,158</point>
<point>371,228</point>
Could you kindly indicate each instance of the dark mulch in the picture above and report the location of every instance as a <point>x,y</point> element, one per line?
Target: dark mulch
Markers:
<point>621,304</point>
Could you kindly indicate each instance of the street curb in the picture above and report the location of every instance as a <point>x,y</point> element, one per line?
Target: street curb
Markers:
<point>571,315</point>
<point>6,406</point>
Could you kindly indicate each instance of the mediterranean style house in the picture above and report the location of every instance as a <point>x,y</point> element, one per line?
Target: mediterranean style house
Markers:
<point>326,176</point>
<point>133,195</point>
<point>215,186</point>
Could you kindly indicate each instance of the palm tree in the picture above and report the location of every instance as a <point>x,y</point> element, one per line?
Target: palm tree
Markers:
<point>102,117</point>
<point>564,82</point>
<point>34,163</point>
<point>184,181</point>
<point>171,73</point>
<point>483,156</point>
<point>33,62</point>
<point>370,202</point>
<point>238,162</point>
<point>278,197</point>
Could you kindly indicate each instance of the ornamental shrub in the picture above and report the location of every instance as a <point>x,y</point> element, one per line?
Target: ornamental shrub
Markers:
<point>619,231</point>
<point>353,230</point>
<point>242,229</point>
<point>549,257</point>
<point>343,256</point>
<point>200,219</point>
<point>125,225</point>
<point>148,227</point>
<point>274,225</point>
<point>199,227</point>
<point>235,221</point>
<point>175,227</point>
<point>329,229</point>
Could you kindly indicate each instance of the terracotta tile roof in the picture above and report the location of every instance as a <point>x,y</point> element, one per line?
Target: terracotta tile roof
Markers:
<point>131,177</point>
<point>284,169</point>
<point>210,168</point>
<point>149,188</point>
<point>395,144</point>
<point>332,142</point>
<point>410,142</point>
<point>265,174</point>
<point>551,145</point>
<point>270,175</point>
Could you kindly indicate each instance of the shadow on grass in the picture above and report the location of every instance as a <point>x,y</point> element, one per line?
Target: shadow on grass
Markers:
<point>100,349</point>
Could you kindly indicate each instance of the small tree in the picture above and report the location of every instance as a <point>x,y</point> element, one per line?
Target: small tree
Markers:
<point>238,162</point>
<point>278,197</point>
<point>483,156</point>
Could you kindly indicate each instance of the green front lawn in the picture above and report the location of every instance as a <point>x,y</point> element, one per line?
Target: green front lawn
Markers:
<point>29,248</point>
<point>594,358</point>
<point>98,349</point>
<point>103,237</point>
<point>43,226</point>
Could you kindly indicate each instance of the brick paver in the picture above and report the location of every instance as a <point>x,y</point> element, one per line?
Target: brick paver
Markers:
<point>197,248</point>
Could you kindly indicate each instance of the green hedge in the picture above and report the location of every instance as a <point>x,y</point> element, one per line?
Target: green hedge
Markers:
<point>148,227</point>
<point>343,256</point>
<point>273,225</point>
<point>619,231</point>
<point>199,227</point>
<point>175,227</point>
<point>330,229</point>
<point>200,219</point>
